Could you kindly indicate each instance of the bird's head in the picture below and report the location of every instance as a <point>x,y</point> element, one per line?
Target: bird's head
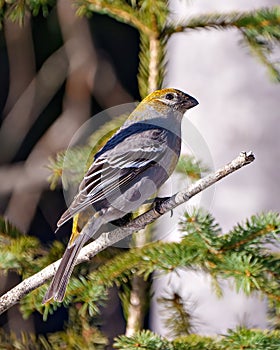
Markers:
<point>173,99</point>
<point>165,105</point>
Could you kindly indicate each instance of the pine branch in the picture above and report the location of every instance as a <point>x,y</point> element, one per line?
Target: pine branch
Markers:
<point>18,252</point>
<point>196,342</point>
<point>142,340</point>
<point>17,10</point>
<point>240,338</point>
<point>243,338</point>
<point>107,239</point>
<point>265,21</point>
<point>251,233</point>
<point>193,168</point>
<point>23,341</point>
<point>260,30</point>
<point>151,62</point>
<point>201,248</point>
<point>177,315</point>
<point>261,49</point>
<point>119,10</point>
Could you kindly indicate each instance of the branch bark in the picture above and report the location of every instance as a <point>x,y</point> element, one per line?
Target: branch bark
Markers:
<point>107,239</point>
<point>154,64</point>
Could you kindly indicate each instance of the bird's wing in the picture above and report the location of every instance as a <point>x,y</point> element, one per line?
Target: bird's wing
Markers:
<point>118,167</point>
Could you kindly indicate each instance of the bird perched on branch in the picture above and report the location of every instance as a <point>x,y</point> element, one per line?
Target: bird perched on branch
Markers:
<point>126,172</point>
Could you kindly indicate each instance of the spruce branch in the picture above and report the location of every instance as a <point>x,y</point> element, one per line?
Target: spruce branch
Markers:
<point>119,10</point>
<point>153,64</point>
<point>199,249</point>
<point>107,239</point>
<point>177,315</point>
<point>239,338</point>
<point>142,340</point>
<point>262,49</point>
<point>260,30</point>
<point>189,166</point>
<point>265,21</point>
<point>250,234</point>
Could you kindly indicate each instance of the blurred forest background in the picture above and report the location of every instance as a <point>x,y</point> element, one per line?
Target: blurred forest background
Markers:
<point>59,70</point>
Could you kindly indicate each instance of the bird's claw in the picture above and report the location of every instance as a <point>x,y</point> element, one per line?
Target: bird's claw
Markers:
<point>158,204</point>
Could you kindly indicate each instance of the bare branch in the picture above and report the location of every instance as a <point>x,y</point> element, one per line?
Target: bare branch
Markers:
<point>107,239</point>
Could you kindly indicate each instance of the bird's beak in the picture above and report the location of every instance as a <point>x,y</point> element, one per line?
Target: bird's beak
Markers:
<point>190,102</point>
<point>186,103</point>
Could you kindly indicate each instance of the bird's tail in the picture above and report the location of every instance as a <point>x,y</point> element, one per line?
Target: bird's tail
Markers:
<point>57,288</point>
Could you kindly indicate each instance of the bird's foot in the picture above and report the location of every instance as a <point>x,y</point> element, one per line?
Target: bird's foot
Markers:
<point>122,221</point>
<point>158,204</point>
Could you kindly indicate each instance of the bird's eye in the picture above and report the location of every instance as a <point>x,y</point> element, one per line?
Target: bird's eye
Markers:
<point>169,96</point>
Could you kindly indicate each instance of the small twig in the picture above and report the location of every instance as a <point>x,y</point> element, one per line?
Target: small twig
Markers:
<point>107,239</point>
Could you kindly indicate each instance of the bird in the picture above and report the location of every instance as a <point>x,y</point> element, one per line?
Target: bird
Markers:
<point>126,172</point>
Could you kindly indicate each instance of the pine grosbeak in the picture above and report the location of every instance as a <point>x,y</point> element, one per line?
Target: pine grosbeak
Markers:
<point>127,171</point>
